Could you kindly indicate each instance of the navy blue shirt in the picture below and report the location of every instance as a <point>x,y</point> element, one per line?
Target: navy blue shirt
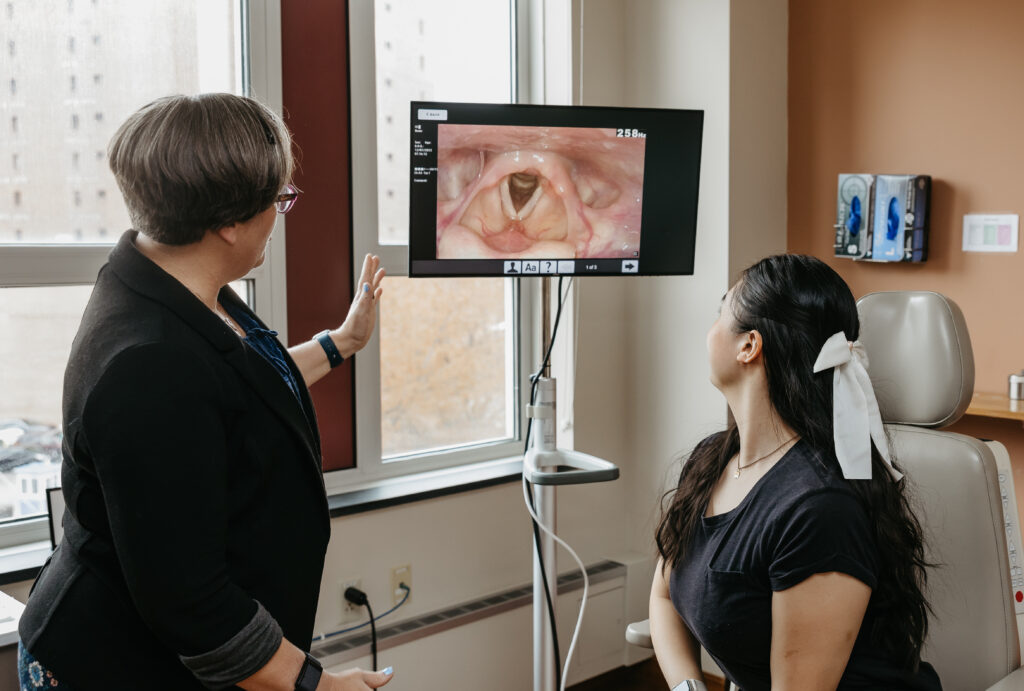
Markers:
<point>264,342</point>
<point>800,519</point>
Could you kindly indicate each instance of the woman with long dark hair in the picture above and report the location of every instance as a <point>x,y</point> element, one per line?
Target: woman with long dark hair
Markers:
<point>789,550</point>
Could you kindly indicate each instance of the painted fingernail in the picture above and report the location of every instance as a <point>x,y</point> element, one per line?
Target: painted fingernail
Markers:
<point>366,287</point>
<point>388,670</point>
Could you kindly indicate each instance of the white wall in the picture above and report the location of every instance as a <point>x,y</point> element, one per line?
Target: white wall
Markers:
<point>642,395</point>
<point>758,130</point>
<point>705,55</point>
<point>728,59</point>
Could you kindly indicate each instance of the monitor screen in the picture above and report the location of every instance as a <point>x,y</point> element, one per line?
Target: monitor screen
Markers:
<point>562,190</point>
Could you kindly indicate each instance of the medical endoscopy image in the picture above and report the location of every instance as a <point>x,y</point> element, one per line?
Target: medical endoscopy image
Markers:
<point>538,192</point>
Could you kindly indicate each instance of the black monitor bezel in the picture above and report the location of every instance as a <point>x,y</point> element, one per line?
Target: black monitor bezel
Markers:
<point>677,188</point>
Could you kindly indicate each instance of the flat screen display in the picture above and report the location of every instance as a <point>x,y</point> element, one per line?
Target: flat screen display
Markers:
<point>558,190</point>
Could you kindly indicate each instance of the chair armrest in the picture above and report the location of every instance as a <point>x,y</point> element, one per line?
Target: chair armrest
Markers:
<point>639,633</point>
<point>1014,682</point>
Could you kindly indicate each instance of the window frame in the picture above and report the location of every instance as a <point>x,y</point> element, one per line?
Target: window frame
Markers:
<point>43,265</point>
<point>261,64</point>
<point>370,468</point>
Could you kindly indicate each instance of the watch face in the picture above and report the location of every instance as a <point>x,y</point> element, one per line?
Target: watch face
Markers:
<point>309,675</point>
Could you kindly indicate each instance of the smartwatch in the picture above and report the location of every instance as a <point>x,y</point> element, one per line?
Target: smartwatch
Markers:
<point>325,341</point>
<point>309,674</point>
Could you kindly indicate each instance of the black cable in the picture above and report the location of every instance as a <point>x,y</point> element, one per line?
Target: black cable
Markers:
<point>547,596</point>
<point>350,629</point>
<point>534,379</point>
<point>373,636</point>
<point>554,330</point>
<point>358,597</point>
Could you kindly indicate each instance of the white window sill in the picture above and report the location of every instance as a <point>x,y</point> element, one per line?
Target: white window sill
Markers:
<point>22,562</point>
<point>410,488</point>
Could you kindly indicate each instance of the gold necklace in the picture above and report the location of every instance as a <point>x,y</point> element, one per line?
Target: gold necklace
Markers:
<point>758,460</point>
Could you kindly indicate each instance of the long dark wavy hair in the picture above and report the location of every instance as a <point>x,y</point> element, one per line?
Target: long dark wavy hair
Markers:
<point>796,303</point>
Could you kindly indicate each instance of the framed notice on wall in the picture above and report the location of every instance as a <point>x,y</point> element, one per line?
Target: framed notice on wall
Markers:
<point>990,232</point>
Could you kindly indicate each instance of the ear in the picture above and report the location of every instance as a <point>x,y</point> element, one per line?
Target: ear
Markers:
<point>229,234</point>
<point>751,347</point>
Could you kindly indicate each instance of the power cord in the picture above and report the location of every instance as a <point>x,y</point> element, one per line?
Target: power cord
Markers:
<point>358,597</point>
<point>547,591</point>
<point>370,623</point>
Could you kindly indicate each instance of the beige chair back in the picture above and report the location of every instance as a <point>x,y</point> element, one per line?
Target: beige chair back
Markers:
<point>922,367</point>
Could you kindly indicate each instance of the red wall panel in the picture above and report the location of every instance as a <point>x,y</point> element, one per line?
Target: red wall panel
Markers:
<point>314,56</point>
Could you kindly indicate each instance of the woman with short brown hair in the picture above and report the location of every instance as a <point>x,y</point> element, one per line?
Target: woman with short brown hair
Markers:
<point>196,523</point>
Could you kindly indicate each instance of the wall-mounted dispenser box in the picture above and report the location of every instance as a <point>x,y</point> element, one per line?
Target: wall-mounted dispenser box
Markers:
<point>900,218</point>
<point>853,215</point>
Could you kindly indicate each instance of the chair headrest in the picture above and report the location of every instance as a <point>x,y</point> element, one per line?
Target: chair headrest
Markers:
<point>919,356</point>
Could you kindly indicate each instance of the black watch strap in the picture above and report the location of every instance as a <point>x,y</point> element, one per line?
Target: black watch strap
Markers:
<point>333,356</point>
<point>309,675</point>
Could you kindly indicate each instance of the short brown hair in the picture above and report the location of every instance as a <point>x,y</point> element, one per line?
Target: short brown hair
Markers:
<point>190,164</point>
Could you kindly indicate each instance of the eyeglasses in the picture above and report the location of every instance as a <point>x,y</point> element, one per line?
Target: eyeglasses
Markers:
<point>286,200</point>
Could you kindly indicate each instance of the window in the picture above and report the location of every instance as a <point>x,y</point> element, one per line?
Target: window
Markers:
<point>444,386</point>
<point>420,56</point>
<point>145,60</point>
<point>50,251</point>
<point>456,386</point>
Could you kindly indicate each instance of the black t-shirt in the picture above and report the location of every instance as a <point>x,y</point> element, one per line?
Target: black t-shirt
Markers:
<point>798,520</point>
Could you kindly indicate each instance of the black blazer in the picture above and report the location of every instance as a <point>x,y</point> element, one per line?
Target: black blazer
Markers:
<point>193,485</point>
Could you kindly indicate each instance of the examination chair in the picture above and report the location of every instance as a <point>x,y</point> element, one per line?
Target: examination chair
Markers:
<point>922,368</point>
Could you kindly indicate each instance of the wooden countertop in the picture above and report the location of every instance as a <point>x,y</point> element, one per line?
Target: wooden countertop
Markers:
<point>996,405</point>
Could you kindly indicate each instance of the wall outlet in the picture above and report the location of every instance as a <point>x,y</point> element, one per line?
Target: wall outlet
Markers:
<point>401,574</point>
<point>350,613</point>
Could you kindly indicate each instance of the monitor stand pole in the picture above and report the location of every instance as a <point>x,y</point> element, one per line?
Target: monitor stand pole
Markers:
<point>545,466</point>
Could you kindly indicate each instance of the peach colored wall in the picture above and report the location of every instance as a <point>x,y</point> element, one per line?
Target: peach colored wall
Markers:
<point>918,86</point>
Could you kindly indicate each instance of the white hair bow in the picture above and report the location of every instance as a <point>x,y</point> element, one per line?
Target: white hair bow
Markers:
<point>855,417</point>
